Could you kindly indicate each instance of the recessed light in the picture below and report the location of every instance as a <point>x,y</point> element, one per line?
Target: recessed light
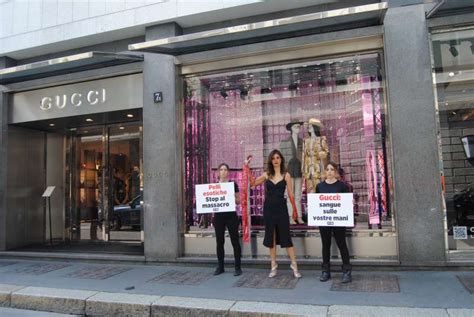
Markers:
<point>129,115</point>
<point>89,120</point>
<point>451,74</point>
<point>51,124</point>
<point>122,128</point>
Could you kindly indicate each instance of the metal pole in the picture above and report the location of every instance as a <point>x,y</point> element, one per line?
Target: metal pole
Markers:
<point>50,227</point>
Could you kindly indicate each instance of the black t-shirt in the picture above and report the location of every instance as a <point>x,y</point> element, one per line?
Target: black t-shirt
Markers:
<point>337,187</point>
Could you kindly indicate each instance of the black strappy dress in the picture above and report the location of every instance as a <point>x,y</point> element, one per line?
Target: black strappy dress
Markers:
<point>275,215</point>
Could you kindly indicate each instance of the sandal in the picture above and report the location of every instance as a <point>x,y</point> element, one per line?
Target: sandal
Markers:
<point>296,274</point>
<point>273,271</point>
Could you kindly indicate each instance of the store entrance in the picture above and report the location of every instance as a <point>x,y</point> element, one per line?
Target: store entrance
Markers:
<point>104,192</point>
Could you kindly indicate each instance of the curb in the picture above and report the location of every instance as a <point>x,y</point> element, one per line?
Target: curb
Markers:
<point>94,303</point>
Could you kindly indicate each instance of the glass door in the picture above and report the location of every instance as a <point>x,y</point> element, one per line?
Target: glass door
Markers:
<point>125,200</point>
<point>105,183</point>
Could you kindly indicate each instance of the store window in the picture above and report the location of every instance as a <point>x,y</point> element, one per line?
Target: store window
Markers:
<point>231,115</point>
<point>453,75</point>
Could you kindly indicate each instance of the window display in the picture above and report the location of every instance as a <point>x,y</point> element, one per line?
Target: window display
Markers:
<point>312,111</point>
<point>453,81</point>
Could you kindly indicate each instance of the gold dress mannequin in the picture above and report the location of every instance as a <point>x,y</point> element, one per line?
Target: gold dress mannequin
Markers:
<point>315,155</point>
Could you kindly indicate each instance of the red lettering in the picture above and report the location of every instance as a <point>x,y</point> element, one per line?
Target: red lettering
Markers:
<point>330,197</point>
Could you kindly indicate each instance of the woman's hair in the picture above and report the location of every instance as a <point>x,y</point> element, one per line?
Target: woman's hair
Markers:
<point>223,164</point>
<point>270,169</point>
<point>316,129</point>
<point>336,166</point>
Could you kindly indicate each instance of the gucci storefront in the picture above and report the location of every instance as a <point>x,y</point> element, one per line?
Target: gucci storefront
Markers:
<point>84,141</point>
<point>124,146</point>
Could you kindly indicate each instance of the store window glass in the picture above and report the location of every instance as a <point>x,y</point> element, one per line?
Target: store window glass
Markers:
<point>231,115</point>
<point>453,75</point>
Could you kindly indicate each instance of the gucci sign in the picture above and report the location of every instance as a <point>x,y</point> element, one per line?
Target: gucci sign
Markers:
<point>76,99</point>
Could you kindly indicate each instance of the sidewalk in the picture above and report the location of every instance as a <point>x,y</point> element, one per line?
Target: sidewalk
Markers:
<point>162,290</point>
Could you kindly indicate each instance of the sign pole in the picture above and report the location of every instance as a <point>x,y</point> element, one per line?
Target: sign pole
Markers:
<point>50,226</point>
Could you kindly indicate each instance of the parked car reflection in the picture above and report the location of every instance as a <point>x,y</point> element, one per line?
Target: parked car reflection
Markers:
<point>125,215</point>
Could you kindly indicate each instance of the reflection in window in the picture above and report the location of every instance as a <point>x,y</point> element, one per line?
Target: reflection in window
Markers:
<point>231,115</point>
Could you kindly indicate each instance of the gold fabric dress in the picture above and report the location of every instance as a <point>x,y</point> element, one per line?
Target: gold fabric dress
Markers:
<point>315,156</point>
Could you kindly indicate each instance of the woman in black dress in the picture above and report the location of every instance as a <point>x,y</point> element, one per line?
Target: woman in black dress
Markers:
<point>275,211</point>
<point>333,185</point>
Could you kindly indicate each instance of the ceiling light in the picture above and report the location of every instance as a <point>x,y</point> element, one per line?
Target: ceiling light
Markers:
<point>224,93</point>
<point>244,92</point>
<point>89,120</point>
<point>129,115</point>
<point>122,128</point>
<point>452,48</point>
<point>51,124</point>
<point>451,74</point>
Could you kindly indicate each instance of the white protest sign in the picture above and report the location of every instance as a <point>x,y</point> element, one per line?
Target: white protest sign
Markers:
<point>330,210</point>
<point>218,197</point>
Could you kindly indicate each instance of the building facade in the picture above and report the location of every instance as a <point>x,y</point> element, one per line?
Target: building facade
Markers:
<point>124,106</point>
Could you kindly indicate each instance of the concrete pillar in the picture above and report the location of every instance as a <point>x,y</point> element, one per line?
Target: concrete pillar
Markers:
<point>162,153</point>
<point>413,128</point>
<point>3,169</point>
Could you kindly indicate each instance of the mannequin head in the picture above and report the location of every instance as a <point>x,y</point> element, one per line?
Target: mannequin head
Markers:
<point>223,170</point>
<point>275,160</point>
<point>295,128</point>
<point>314,127</point>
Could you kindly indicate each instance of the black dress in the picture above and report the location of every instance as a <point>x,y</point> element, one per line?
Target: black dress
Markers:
<point>275,215</point>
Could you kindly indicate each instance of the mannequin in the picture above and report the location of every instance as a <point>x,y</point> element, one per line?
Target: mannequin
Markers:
<point>315,155</point>
<point>293,149</point>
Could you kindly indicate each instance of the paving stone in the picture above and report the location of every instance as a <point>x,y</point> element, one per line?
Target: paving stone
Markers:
<point>51,299</point>
<point>182,277</point>
<point>262,309</point>
<point>368,283</point>
<point>467,281</point>
<point>98,272</point>
<point>459,312</point>
<point>119,304</point>
<point>377,311</point>
<point>40,268</point>
<point>284,280</point>
<point>5,293</point>
<point>170,306</point>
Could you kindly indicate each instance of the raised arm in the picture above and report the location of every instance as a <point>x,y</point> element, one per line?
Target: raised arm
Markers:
<point>255,182</point>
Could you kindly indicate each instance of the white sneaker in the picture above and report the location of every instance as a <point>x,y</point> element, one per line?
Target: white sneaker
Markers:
<point>292,222</point>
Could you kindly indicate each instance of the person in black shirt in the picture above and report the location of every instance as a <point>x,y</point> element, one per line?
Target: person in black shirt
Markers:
<point>231,221</point>
<point>332,185</point>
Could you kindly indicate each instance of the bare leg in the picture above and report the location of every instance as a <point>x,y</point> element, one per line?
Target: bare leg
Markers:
<point>274,265</point>
<point>273,250</point>
<point>294,265</point>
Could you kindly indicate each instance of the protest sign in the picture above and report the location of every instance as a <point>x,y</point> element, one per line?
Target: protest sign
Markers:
<point>218,197</point>
<point>331,210</point>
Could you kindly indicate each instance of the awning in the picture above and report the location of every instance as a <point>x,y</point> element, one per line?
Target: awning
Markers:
<point>63,65</point>
<point>320,22</point>
<point>445,7</point>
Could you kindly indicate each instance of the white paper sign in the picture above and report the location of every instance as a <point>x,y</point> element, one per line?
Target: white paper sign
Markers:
<point>330,210</point>
<point>49,191</point>
<point>218,197</point>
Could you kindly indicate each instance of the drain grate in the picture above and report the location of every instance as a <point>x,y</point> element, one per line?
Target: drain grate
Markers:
<point>181,277</point>
<point>40,268</point>
<point>467,281</point>
<point>368,283</point>
<point>261,280</point>
<point>98,273</point>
